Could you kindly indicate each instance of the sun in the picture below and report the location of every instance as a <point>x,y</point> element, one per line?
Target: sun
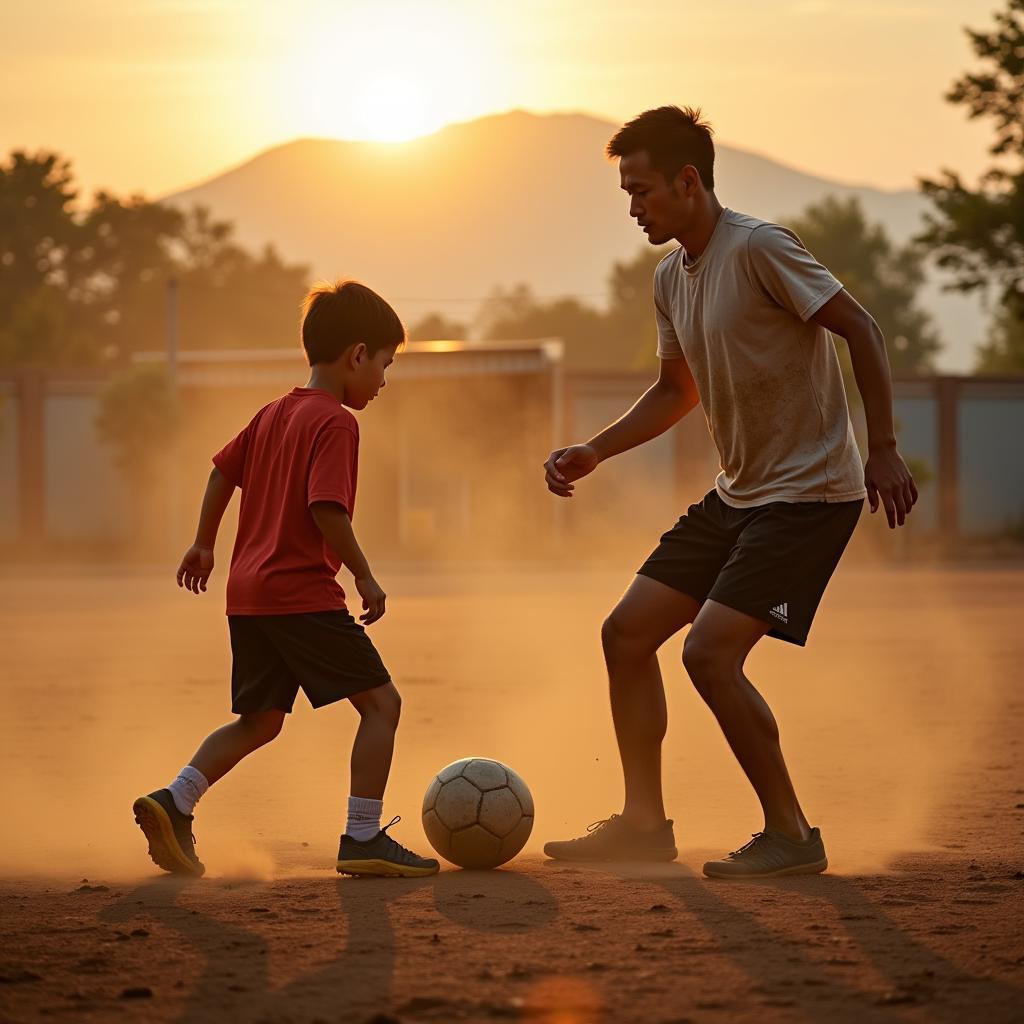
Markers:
<point>390,108</point>
<point>387,72</point>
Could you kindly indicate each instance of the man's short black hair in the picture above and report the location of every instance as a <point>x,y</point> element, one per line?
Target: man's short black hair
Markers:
<point>673,137</point>
<point>337,316</point>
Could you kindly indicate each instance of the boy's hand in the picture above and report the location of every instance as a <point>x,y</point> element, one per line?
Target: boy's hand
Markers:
<point>567,464</point>
<point>373,599</point>
<point>888,480</point>
<point>195,568</point>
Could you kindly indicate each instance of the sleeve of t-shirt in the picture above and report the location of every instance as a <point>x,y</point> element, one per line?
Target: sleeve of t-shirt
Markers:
<point>332,470</point>
<point>230,460</point>
<point>668,340</point>
<point>787,273</point>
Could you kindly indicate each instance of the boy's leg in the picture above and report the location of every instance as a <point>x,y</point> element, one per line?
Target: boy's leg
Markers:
<point>165,815</point>
<point>226,746</point>
<point>714,653</point>
<point>366,848</point>
<point>374,745</point>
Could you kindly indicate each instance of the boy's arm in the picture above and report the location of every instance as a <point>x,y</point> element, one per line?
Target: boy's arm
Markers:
<point>333,522</point>
<point>886,476</point>
<point>662,405</point>
<point>197,563</point>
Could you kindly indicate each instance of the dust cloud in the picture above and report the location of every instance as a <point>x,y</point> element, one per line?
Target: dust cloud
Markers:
<point>111,678</point>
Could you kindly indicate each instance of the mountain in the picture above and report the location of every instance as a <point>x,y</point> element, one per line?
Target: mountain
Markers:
<point>438,222</point>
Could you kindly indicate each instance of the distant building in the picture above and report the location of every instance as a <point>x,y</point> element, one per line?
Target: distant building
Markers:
<point>452,454</point>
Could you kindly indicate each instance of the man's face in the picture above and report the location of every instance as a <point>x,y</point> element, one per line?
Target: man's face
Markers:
<point>661,208</point>
<point>367,378</point>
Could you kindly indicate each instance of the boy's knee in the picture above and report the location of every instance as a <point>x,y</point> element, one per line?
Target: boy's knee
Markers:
<point>263,726</point>
<point>383,702</point>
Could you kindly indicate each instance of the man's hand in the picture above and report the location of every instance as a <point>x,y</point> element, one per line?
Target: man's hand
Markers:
<point>568,464</point>
<point>373,599</point>
<point>888,480</point>
<point>195,568</point>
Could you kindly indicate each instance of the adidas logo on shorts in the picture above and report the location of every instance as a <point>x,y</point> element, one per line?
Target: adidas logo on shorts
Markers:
<point>781,612</point>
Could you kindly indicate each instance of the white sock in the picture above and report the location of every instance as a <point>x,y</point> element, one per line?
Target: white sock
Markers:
<point>363,818</point>
<point>187,788</point>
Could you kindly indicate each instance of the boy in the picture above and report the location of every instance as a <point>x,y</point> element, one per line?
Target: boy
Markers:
<point>744,314</point>
<point>296,466</point>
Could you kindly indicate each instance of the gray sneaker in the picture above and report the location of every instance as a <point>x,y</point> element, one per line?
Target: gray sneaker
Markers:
<point>614,840</point>
<point>771,854</point>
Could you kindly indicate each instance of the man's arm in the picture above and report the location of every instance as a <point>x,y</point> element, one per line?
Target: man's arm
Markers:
<point>333,522</point>
<point>886,476</point>
<point>662,405</point>
<point>197,562</point>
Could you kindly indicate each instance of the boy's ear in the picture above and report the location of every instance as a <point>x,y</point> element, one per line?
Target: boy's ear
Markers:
<point>359,353</point>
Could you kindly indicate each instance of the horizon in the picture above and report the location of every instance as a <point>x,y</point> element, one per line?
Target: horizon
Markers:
<point>154,99</point>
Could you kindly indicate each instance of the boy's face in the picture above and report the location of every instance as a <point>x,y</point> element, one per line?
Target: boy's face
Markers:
<point>365,376</point>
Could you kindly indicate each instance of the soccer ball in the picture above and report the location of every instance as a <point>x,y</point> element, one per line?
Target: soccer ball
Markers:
<point>477,813</point>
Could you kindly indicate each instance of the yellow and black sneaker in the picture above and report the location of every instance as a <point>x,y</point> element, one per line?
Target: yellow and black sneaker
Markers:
<point>169,832</point>
<point>382,856</point>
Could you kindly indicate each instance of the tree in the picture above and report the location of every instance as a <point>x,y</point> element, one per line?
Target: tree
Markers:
<point>83,287</point>
<point>437,327</point>
<point>978,234</point>
<point>139,417</point>
<point>631,325</point>
<point>37,229</point>
<point>882,278</point>
<point>517,313</point>
<point>1003,352</point>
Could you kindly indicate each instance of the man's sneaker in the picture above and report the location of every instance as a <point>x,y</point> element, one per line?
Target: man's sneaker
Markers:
<point>171,843</point>
<point>613,839</point>
<point>382,856</point>
<point>770,855</point>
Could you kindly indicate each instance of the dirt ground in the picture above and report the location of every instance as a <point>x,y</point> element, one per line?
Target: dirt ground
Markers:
<point>902,723</point>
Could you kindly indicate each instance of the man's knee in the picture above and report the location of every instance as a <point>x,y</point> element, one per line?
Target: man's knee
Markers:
<point>620,639</point>
<point>708,666</point>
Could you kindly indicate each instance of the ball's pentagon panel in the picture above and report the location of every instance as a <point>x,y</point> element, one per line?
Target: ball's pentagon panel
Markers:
<point>485,774</point>
<point>500,811</point>
<point>475,848</point>
<point>458,803</point>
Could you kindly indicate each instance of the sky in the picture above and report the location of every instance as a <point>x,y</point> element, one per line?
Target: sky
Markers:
<point>150,96</point>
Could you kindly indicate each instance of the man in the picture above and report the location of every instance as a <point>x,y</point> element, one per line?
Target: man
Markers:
<point>743,313</point>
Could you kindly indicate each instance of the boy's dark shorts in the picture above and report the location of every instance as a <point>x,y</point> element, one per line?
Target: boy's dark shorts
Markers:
<point>326,654</point>
<point>772,561</point>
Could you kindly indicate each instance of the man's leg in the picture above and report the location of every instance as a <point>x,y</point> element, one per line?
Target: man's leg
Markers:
<point>648,614</point>
<point>714,653</point>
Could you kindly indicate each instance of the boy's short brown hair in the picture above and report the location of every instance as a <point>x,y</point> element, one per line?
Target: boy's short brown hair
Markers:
<point>337,316</point>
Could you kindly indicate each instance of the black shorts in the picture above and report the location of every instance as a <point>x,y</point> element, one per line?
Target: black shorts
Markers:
<point>771,561</point>
<point>327,654</point>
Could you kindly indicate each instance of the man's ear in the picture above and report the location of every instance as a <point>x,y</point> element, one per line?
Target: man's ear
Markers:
<point>360,353</point>
<point>687,181</point>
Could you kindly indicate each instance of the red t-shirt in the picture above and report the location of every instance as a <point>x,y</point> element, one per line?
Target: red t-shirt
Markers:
<point>300,449</point>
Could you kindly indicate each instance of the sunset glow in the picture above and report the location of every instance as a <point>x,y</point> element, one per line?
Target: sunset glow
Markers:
<point>154,97</point>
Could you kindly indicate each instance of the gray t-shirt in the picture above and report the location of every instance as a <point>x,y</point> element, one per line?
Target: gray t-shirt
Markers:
<point>769,380</point>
